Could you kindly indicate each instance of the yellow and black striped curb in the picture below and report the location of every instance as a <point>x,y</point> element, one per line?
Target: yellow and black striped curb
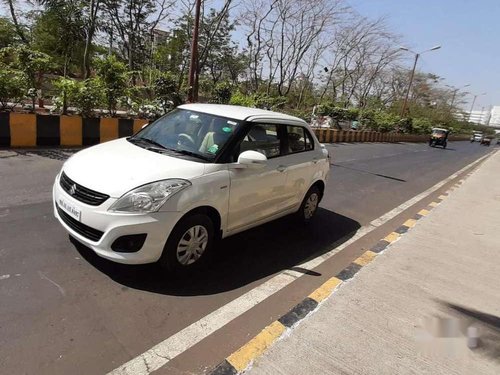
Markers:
<point>339,136</point>
<point>241,359</point>
<point>30,130</point>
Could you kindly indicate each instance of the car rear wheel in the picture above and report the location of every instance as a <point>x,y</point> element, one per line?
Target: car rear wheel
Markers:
<point>189,246</point>
<point>309,205</point>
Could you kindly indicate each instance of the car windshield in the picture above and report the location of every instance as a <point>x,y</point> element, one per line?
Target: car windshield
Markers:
<point>438,132</point>
<point>200,135</point>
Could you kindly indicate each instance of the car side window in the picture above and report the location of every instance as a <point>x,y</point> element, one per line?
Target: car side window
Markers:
<point>309,140</point>
<point>298,139</point>
<point>263,138</point>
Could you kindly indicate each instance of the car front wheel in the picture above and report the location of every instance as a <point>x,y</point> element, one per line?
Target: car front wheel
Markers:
<point>189,245</point>
<point>310,204</point>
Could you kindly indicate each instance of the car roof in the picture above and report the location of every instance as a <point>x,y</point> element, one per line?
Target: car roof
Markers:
<point>242,113</point>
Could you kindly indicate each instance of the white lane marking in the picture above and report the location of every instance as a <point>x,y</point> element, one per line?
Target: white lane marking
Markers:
<point>160,354</point>
<point>3,277</point>
<point>61,289</point>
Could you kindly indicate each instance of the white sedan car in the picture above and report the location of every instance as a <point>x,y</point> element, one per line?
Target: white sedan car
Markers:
<point>200,173</point>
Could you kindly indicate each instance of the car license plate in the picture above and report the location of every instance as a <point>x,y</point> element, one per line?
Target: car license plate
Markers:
<point>70,209</point>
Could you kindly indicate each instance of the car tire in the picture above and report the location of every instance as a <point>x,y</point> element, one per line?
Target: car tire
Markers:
<point>445,144</point>
<point>189,246</point>
<point>309,205</point>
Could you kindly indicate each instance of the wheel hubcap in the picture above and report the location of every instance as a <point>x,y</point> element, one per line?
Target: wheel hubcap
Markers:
<point>311,206</point>
<point>192,245</point>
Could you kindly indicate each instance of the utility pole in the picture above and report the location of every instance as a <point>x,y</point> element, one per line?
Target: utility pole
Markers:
<point>417,55</point>
<point>193,65</point>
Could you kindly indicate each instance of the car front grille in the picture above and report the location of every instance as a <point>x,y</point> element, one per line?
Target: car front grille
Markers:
<point>80,228</point>
<point>80,192</point>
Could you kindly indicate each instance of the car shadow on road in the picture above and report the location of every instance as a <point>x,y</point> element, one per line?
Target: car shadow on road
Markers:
<point>240,259</point>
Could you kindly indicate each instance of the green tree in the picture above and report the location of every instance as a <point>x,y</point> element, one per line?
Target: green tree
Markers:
<point>8,34</point>
<point>112,74</point>
<point>165,88</point>
<point>59,31</point>
<point>13,87</point>
<point>33,64</point>
<point>222,93</point>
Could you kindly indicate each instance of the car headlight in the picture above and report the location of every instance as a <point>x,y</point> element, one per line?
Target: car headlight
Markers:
<point>149,197</point>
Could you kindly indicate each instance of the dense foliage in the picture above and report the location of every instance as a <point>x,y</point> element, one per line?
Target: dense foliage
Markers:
<point>307,58</point>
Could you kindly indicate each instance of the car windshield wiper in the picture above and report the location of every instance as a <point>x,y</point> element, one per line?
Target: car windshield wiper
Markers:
<point>147,140</point>
<point>190,153</point>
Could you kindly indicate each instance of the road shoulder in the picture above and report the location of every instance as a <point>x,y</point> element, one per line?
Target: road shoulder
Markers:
<point>445,267</point>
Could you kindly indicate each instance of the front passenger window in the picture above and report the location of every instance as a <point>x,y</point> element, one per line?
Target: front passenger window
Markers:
<point>264,139</point>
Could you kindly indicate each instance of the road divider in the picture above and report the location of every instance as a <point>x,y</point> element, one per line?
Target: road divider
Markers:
<point>349,136</point>
<point>31,130</point>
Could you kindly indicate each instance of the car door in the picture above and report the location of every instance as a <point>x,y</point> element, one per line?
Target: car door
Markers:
<point>258,193</point>
<point>302,161</point>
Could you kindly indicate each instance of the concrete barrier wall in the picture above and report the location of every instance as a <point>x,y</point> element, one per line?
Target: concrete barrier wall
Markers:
<point>340,136</point>
<point>30,130</point>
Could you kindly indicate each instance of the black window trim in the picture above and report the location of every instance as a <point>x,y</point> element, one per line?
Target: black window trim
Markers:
<point>307,134</point>
<point>224,156</point>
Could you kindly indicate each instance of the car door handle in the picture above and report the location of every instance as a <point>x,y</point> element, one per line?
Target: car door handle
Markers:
<point>281,168</point>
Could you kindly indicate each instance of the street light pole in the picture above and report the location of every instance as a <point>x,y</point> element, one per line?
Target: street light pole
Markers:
<point>455,93</point>
<point>417,55</point>
<point>474,102</point>
<point>193,65</point>
<point>403,110</point>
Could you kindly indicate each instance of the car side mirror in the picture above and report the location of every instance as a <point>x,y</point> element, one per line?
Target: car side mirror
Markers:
<point>251,159</point>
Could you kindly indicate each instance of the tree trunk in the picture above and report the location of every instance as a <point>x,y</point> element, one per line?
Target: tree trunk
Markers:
<point>19,30</point>
<point>94,6</point>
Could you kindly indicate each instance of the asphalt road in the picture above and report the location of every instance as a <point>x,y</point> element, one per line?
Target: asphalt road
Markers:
<point>64,310</point>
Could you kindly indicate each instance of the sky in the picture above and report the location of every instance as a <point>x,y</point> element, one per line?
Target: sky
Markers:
<point>467,30</point>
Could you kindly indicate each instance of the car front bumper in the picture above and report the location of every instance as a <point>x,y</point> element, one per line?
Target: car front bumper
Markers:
<point>157,226</point>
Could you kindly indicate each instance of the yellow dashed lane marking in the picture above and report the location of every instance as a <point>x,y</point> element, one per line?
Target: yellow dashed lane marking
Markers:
<point>410,223</point>
<point>366,258</point>
<point>392,237</point>
<point>255,347</point>
<point>325,290</point>
<point>434,204</point>
<point>423,212</point>
<point>442,197</point>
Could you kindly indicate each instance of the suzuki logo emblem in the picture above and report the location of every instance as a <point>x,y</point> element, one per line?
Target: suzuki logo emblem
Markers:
<point>72,189</point>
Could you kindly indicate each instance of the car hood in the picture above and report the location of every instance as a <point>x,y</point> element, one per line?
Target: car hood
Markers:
<point>116,167</point>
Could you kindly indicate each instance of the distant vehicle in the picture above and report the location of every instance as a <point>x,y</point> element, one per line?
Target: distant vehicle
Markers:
<point>476,137</point>
<point>199,173</point>
<point>439,137</point>
<point>486,141</point>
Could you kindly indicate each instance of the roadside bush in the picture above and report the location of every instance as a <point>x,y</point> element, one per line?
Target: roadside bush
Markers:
<point>422,125</point>
<point>386,122</point>
<point>221,94</point>
<point>367,119</point>
<point>13,87</point>
<point>67,89</point>
<point>88,97</point>
<point>165,88</point>
<point>238,98</point>
<point>112,75</point>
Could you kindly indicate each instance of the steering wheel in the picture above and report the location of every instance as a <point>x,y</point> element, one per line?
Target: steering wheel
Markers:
<point>185,140</point>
